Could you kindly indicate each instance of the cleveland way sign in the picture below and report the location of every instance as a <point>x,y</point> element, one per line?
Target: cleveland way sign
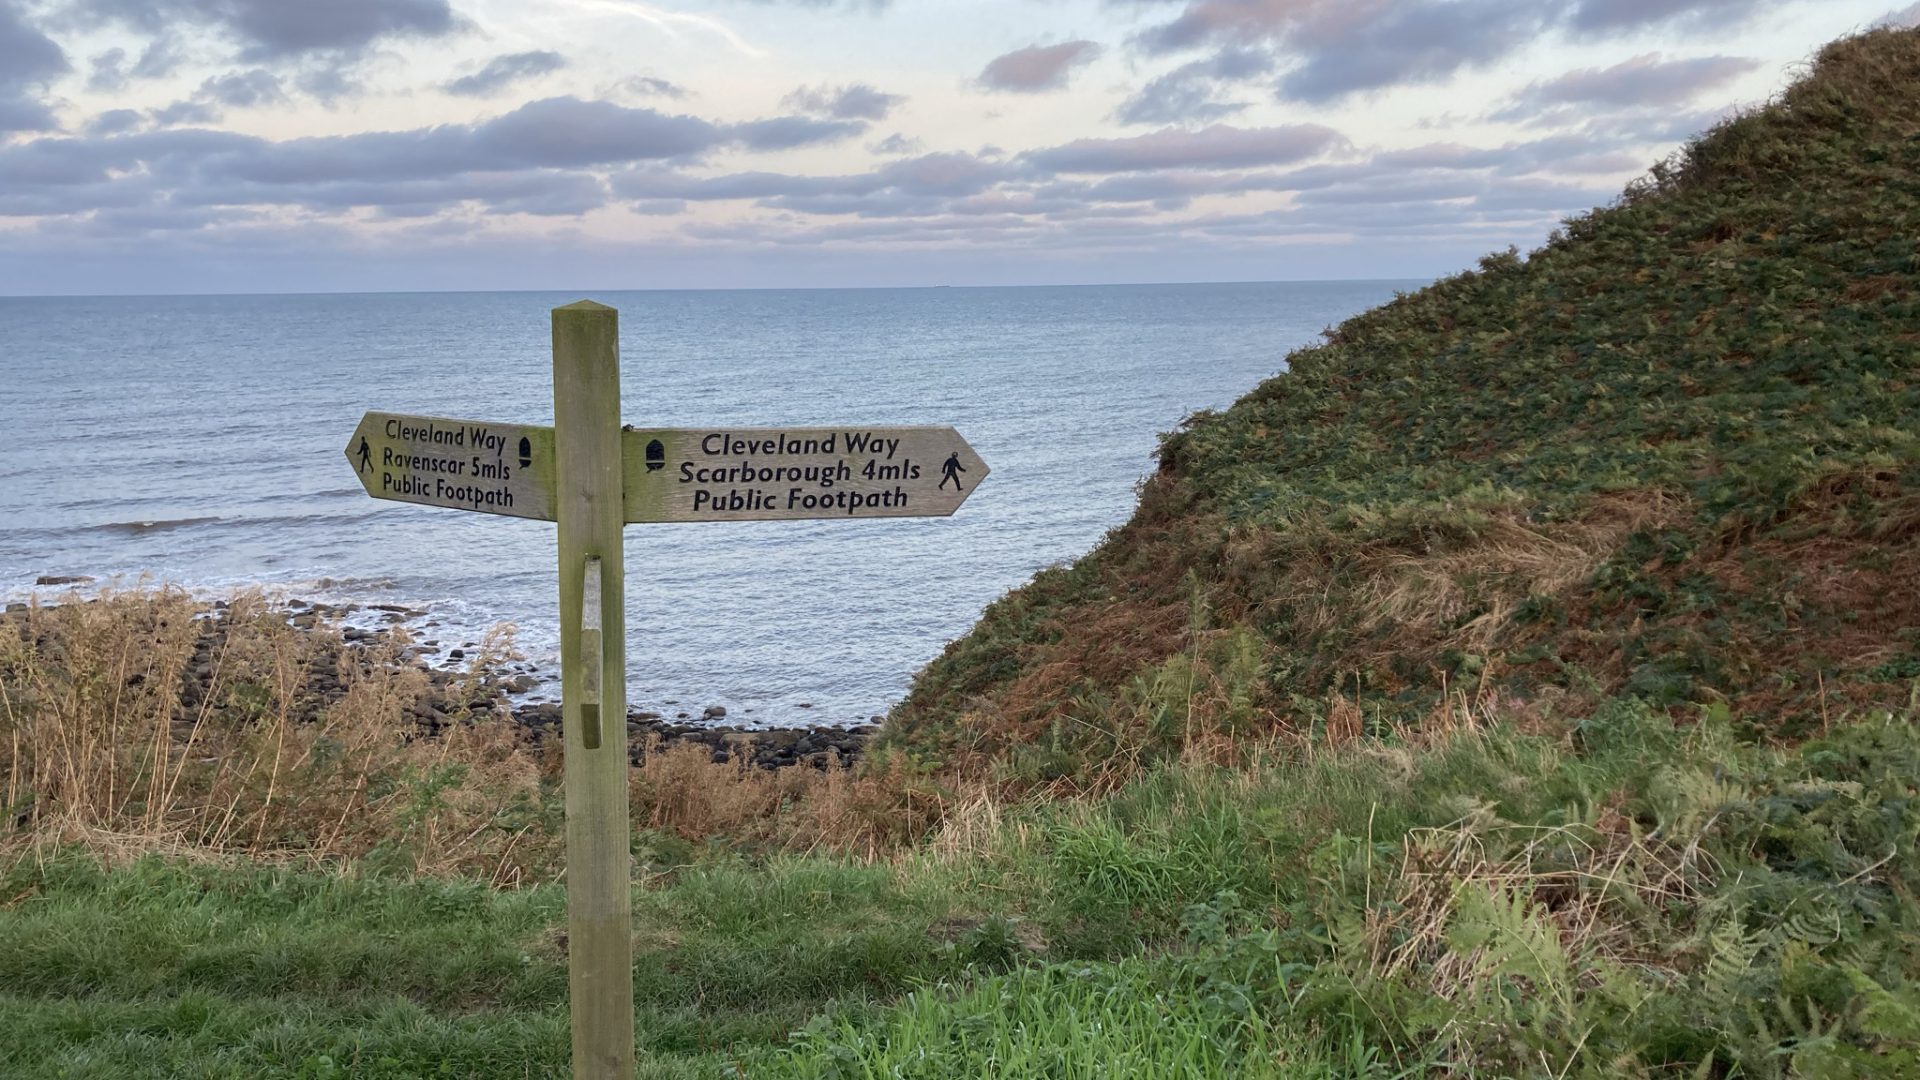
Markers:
<point>754,474</point>
<point>592,477</point>
<point>459,464</point>
<point>674,474</point>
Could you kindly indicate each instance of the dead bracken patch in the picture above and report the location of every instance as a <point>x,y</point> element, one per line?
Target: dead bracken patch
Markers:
<point>144,721</point>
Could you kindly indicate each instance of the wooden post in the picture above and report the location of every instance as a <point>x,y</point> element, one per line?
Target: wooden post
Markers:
<point>589,507</point>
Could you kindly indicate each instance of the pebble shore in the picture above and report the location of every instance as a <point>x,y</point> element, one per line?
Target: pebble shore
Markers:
<point>456,696</point>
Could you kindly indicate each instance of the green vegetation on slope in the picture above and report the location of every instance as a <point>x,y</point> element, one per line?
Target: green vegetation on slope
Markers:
<point>1675,454</point>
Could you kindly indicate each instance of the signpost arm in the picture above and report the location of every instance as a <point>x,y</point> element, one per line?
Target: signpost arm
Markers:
<point>590,511</point>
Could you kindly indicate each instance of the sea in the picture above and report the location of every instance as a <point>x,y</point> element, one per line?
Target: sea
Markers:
<point>197,442</point>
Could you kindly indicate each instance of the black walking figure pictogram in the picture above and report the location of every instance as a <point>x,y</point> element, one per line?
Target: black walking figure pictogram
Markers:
<point>366,455</point>
<point>951,471</point>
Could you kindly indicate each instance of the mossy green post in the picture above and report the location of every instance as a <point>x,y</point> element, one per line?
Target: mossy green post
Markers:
<point>588,505</point>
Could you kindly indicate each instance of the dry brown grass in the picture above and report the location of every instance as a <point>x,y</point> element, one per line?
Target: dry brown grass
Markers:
<point>864,812</point>
<point>144,720</point>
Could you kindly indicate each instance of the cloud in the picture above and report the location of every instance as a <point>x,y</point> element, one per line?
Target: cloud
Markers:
<point>566,131</point>
<point>1037,68</point>
<point>111,74</point>
<point>897,143</point>
<point>1218,146</point>
<point>25,114</point>
<point>1642,81</point>
<point>787,132</point>
<point>244,89</point>
<point>645,86</point>
<point>1329,49</point>
<point>929,176</point>
<point>115,122</point>
<point>28,58</point>
<point>1614,16</point>
<point>858,101</point>
<point>1188,92</point>
<point>279,29</point>
<point>330,81</point>
<point>186,112</point>
<point>1345,46</point>
<point>237,89</point>
<point>536,159</point>
<point>508,68</point>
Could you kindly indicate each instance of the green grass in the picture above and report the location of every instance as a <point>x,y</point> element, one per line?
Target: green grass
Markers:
<point>1631,900</point>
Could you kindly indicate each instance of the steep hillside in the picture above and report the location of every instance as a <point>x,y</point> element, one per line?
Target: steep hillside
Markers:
<point>1674,456</point>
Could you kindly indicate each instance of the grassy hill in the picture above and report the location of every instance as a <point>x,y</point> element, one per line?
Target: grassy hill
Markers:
<point>1672,456</point>
<point>1522,685</point>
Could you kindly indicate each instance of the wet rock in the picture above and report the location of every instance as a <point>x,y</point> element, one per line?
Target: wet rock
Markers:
<point>714,712</point>
<point>15,609</point>
<point>63,579</point>
<point>521,684</point>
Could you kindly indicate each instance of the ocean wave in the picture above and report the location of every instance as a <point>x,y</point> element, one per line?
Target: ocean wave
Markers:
<point>140,527</point>
<point>143,526</point>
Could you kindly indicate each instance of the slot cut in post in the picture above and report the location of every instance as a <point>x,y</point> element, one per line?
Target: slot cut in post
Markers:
<point>593,648</point>
<point>588,507</point>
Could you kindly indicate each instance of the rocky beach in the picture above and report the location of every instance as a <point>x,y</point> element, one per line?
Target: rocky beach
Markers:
<point>474,680</point>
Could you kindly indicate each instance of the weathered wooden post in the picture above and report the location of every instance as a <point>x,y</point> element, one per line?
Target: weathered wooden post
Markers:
<point>592,477</point>
<point>589,505</point>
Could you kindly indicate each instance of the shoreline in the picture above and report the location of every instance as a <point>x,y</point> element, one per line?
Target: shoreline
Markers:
<point>480,681</point>
<point>445,635</point>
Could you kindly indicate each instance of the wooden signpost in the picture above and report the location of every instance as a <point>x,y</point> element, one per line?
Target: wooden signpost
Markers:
<point>593,477</point>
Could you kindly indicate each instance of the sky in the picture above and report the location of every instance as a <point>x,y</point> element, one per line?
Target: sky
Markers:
<point>168,146</point>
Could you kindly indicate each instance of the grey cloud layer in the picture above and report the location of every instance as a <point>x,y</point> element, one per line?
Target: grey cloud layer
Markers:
<point>1190,91</point>
<point>527,160</point>
<point>1328,49</point>
<point>111,73</point>
<point>1037,68</point>
<point>1119,187</point>
<point>564,156</point>
<point>1218,146</point>
<point>1613,15</point>
<point>274,29</point>
<point>1643,80</point>
<point>502,71</point>
<point>28,58</point>
<point>859,101</point>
